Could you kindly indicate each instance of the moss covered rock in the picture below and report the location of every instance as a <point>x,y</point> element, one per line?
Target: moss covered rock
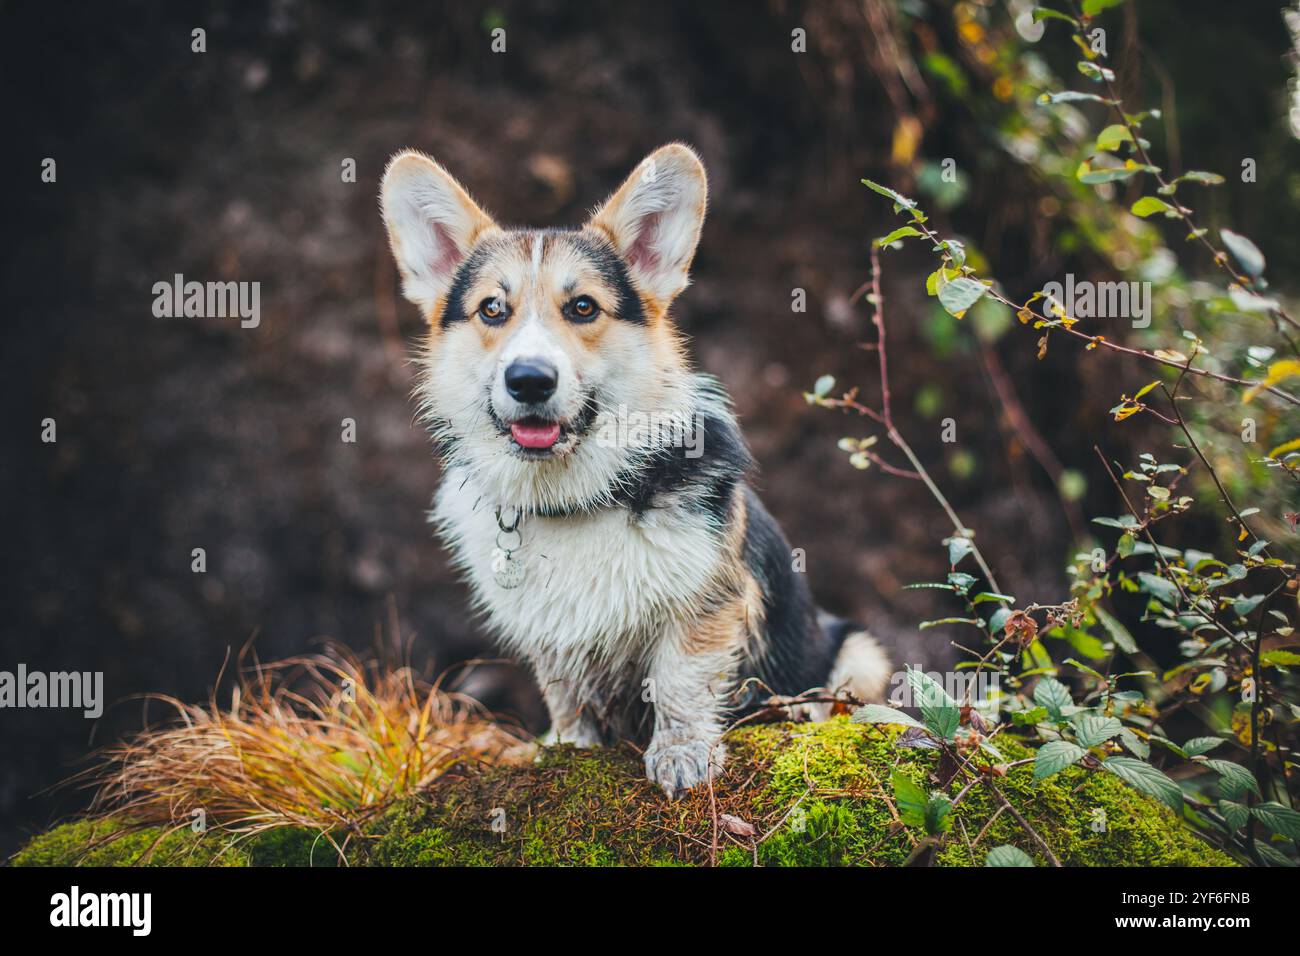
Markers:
<point>813,794</point>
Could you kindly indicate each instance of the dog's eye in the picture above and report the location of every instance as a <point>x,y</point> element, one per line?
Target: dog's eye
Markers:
<point>583,309</point>
<point>493,311</point>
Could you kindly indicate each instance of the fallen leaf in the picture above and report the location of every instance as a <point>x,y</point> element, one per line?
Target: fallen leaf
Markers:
<point>735,825</point>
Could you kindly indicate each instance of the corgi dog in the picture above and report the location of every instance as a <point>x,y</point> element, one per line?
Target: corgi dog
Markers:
<point>595,489</point>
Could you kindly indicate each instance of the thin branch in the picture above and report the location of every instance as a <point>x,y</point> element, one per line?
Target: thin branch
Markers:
<point>1033,834</point>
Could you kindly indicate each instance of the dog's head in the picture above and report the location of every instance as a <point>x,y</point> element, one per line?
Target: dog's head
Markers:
<point>539,339</point>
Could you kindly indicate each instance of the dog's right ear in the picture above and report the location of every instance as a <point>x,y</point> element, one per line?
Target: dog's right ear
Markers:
<point>432,224</point>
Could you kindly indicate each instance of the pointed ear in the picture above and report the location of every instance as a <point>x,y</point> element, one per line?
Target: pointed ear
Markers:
<point>654,220</point>
<point>432,224</point>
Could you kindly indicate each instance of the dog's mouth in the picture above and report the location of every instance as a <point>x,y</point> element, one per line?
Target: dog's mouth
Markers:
<point>534,436</point>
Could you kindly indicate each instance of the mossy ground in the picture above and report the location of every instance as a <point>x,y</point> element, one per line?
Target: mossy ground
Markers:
<point>817,794</point>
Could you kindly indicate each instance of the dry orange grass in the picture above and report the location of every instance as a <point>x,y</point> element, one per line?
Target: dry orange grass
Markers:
<point>318,743</point>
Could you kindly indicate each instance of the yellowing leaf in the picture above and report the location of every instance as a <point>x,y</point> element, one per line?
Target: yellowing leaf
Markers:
<point>1149,206</point>
<point>1282,449</point>
<point>1277,372</point>
<point>1111,137</point>
<point>907,136</point>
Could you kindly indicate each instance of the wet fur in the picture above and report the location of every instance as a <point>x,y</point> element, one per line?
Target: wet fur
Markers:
<point>659,598</point>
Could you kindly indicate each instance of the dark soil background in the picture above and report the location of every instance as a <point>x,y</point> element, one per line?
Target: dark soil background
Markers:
<point>182,433</point>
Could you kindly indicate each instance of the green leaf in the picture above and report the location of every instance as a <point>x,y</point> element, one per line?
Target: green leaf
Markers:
<point>1146,778</point>
<point>1054,756</point>
<point>1166,592</point>
<point>897,197</point>
<point>1125,545</point>
<point>1234,779</point>
<point>1201,745</point>
<point>1053,695</point>
<point>1149,206</point>
<point>1092,729</point>
<point>992,751</point>
<point>1043,13</point>
<point>1273,857</point>
<point>1008,856</point>
<point>1134,744</point>
<point>1083,642</point>
<point>958,549</point>
<point>1125,522</point>
<point>1200,176</point>
<point>910,799</point>
<point>1280,658</point>
<point>1072,485</point>
<point>998,621</point>
<point>1095,71</point>
<point>938,277</point>
<point>1117,631</point>
<point>1070,96</point>
<point>960,294</point>
<point>956,251</point>
<point>925,625</point>
<point>1027,718</point>
<point>1085,668</point>
<point>984,596</point>
<point>1234,814</point>
<point>1279,819</point>
<point>1093,7</point>
<point>937,818</point>
<point>938,710</point>
<point>880,714</point>
<point>822,387</point>
<point>1243,606</point>
<point>902,232</point>
<point>1109,172</point>
<point>1111,138</point>
<point>1245,252</point>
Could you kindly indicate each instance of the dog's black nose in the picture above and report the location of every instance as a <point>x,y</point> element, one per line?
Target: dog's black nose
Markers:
<point>531,380</point>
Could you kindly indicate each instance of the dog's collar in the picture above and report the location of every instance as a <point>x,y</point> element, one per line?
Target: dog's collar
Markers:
<point>622,492</point>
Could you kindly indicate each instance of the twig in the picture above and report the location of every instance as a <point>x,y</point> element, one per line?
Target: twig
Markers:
<point>885,416</point>
<point>1042,844</point>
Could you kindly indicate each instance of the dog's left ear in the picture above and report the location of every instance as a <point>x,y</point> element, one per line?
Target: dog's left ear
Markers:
<point>654,220</point>
<point>432,225</point>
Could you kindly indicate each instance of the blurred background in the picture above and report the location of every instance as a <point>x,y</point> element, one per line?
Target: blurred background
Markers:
<point>175,434</point>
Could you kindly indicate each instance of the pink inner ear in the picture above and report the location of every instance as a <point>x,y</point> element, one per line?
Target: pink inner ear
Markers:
<point>642,252</point>
<point>447,255</point>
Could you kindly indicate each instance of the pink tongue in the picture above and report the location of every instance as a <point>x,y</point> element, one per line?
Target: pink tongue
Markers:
<point>536,436</point>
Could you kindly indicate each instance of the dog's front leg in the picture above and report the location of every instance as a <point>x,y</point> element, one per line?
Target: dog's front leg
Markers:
<point>572,719</point>
<point>686,687</point>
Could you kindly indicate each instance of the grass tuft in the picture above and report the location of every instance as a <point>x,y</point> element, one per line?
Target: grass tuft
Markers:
<point>313,743</point>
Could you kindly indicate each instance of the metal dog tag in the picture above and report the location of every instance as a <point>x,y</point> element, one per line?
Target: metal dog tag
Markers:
<point>507,570</point>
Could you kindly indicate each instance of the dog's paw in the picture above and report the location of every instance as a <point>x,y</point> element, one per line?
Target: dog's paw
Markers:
<point>581,737</point>
<point>680,761</point>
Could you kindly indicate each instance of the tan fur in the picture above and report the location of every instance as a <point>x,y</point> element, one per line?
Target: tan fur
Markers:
<point>736,612</point>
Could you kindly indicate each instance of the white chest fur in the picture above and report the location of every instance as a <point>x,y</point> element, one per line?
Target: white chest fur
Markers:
<point>597,587</point>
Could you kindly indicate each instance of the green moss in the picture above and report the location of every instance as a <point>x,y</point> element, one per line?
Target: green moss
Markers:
<point>113,843</point>
<point>117,843</point>
<point>818,794</point>
<point>572,808</point>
